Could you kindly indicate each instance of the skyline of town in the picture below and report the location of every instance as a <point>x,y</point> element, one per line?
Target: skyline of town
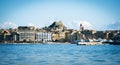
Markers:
<point>93,14</point>
<point>59,32</point>
<point>56,32</point>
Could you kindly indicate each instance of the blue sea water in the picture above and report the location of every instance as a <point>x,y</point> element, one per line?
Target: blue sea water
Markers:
<point>59,54</point>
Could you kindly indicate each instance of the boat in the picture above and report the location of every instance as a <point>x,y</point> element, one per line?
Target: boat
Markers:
<point>90,42</point>
<point>80,42</point>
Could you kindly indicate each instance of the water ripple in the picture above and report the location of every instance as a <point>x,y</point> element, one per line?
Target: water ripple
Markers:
<point>59,54</point>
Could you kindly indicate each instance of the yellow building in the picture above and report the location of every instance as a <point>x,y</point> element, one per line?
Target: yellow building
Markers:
<point>58,36</point>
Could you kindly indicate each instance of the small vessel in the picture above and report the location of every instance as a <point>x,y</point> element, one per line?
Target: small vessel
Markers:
<point>80,42</point>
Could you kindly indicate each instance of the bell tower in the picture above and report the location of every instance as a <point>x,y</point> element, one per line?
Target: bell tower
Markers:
<point>81,28</point>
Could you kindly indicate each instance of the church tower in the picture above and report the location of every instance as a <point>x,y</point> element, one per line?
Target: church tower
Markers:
<point>81,28</point>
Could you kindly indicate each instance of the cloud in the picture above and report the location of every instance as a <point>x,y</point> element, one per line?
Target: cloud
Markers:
<point>86,24</point>
<point>76,25</point>
<point>7,25</point>
<point>31,24</point>
<point>71,25</point>
<point>114,25</point>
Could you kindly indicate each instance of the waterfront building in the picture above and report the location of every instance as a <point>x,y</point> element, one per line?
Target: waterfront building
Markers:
<point>26,33</point>
<point>80,36</point>
<point>8,36</point>
<point>73,36</point>
<point>62,36</point>
<point>89,34</point>
<point>100,34</point>
<point>59,36</point>
<point>1,38</point>
<point>43,36</point>
<point>55,36</point>
<point>116,38</point>
<point>68,35</point>
<point>15,37</point>
<point>5,36</point>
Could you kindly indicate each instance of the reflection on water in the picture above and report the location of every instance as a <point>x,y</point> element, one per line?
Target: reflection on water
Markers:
<point>59,54</point>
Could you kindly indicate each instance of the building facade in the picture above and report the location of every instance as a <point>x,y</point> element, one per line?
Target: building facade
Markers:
<point>43,36</point>
<point>26,33</point>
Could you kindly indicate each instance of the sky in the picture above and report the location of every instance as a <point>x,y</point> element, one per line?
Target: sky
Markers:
<point>93,14</point>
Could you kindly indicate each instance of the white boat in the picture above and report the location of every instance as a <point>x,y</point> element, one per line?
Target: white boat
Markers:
<point>80,42</point>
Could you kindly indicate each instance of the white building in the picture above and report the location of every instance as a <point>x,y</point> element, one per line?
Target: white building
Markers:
<point>43,36</point>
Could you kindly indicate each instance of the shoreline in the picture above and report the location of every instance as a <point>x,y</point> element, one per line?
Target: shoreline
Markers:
<point>39,43</point>
<point>86,43</point>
